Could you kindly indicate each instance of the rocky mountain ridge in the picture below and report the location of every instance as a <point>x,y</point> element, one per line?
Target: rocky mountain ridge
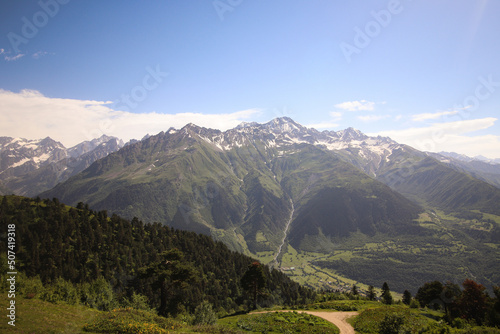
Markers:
<point>28,167</point>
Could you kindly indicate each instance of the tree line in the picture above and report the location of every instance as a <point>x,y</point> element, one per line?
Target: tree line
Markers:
<point>174,270</point>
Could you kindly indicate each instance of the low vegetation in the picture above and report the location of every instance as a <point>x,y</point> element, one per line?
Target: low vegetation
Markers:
<point>280,322</point>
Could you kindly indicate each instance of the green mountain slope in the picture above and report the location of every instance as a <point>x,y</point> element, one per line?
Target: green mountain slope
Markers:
<point>436,185</point>
<point>289,194</point>
<point>244,194</point>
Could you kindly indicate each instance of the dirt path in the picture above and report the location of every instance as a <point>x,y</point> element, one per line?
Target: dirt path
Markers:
<point>338,319</point>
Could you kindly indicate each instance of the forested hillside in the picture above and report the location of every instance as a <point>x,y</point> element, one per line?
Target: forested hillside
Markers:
<point>80,245</point>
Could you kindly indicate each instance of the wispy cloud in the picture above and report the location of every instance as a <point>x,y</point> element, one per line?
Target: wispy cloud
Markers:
<point>8,56</point>
<point>356,105</point>
<point>30,114</point>
<point>40,54</point>
<point>451,137</point>
<point>429,116</point>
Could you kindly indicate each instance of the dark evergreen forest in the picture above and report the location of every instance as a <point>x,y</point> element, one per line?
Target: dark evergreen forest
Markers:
<point>80,245</point>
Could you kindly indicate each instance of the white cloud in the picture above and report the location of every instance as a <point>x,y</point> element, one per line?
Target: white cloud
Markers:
<point>32,115</point>
<point>428,116</point>
<point>450,137</point>
<point>39,54</point>
<point>356,105</point>
<point>14,58</point>
<point>7,57</point>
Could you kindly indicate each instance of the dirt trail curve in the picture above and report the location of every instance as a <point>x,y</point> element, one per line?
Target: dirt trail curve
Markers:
<point>338,319</point>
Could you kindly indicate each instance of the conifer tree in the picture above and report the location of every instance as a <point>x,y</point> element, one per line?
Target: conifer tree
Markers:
<point>371,293</point>
<point>386,294</point>
<point>354,290</point>
<point>254,281</point>
<point>171,275</point>
<point>406,297</point>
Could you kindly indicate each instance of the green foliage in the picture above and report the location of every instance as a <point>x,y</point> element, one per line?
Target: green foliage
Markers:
<point>254,281</point>
<point>406,297</point>
<point>386,294</point>
<point>371,295</point>
<point>437,328</point>
<point>370,320</point>
<point>430,294</point>
<point>414,304</point>
<point>61,291</point>
<point>204,314</point>
<point>171,275</point>
<point>98,294</point>
<point>335,305</point>
<point>30,287</point>
<point>282,322</point>
<point>391,324</point>
<point>137,302</point>
<point>81,245</point>
<point>130,321</point>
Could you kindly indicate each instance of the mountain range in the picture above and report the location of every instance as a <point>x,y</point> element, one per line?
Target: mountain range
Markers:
<point>279,190</point>
<point>28,167</point>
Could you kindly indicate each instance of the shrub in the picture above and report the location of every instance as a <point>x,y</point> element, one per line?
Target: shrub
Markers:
<point>98,294</point>
<point>31,287</point>
<point>391,324</point>
<point>204,314</point>
<point>137,302</point>
<point>131,321</point>
<point>437,328</point>
<point>414,304</point>
<point>60,291</point>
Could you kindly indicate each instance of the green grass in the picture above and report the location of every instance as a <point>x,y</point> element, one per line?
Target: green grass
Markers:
<point>369,320</point>
<point>36,316</point>
<point>341,305</point>
<point>279,322</point>
<point>40,317</point>
<point>132,321</point>
<point>413,321</point>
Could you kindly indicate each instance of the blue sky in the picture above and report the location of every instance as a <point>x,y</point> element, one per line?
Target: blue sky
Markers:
<point>425,73</point>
